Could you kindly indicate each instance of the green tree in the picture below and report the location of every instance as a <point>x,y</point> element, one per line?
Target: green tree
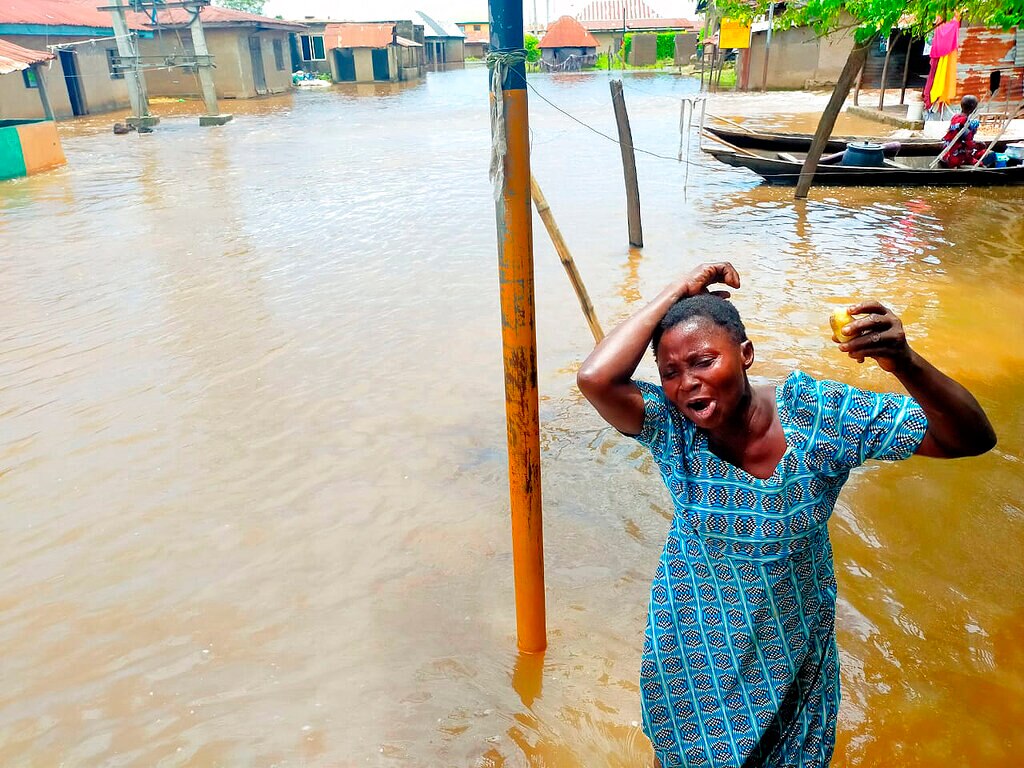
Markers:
<point>871,19</point>
<point>532,45</point>
<point>249,6</point>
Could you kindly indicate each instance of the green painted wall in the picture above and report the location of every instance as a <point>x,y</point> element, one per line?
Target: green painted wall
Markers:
<point>12,161</point>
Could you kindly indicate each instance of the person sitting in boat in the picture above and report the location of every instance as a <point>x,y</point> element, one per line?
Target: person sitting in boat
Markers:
<point>963,149</point>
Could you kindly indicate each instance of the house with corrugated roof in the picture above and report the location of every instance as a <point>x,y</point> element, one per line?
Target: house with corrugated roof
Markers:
<point>362,52</point>
<point>567,45</point>
<point>87,76</point>
<point>443,42</point>
<point>251,53</point>
<point>27,146</point>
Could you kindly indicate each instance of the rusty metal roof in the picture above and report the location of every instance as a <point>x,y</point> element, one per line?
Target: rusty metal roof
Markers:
<point>14,58</point>
<point>216,16</point>
<point>568,33</point>
<point>67,13</point>
<point>358,35</point>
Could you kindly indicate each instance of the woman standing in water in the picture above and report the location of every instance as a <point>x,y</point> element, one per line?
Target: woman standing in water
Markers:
<point>740,666</point>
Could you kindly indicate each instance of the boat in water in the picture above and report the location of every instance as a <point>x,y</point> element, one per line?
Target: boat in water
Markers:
<point>783,169</point>
<point>801,142</point>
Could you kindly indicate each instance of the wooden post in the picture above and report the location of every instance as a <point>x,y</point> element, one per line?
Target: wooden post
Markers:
<point>856,91</point>
<point>767,46</point>
<point>906,69</point>
<point>854,64</point>
<point>514,215</point>
<point>544,211</point>
<point>885,72</point>
<point>636,235</point>
<point>44,95</point>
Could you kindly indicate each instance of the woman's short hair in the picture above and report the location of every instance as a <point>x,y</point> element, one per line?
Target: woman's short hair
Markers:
<point>704,305</point>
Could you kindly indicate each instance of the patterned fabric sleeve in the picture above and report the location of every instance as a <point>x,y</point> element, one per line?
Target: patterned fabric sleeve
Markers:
<point>871,425</point>
<point>657,429</point>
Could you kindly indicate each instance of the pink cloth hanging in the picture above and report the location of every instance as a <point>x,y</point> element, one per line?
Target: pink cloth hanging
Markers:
<point>946,39</point>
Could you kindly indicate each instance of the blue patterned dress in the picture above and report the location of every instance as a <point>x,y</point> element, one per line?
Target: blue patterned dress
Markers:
<point>740,666</point>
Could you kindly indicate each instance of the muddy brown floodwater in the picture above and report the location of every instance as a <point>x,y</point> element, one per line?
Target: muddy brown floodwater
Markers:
<point>252,463</point>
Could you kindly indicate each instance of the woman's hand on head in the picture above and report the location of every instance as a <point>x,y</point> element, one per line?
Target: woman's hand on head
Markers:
<point>710,274</point>
<point>879,334</point>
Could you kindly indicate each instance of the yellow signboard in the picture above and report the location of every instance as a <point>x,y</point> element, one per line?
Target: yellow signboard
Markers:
<point>733,34</point>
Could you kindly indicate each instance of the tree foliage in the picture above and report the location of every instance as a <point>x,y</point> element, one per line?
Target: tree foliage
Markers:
<point>879,17</point>
<point>532,45</point>
<point>249,6</point>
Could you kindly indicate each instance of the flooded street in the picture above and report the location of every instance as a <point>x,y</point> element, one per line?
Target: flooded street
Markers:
<point>252,453</point>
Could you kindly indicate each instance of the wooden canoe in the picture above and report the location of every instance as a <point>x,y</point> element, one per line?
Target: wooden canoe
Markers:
<point>784,170</point>
<point>801,142</point>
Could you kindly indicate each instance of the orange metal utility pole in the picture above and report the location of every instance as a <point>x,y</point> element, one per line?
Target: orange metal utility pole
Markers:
<point>514,215</point>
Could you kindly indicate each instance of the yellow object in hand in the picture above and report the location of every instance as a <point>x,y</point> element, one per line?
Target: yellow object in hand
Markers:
<point>839,319</point>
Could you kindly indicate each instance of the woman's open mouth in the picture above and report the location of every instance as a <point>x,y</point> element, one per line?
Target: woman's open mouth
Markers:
<point>701,407</point>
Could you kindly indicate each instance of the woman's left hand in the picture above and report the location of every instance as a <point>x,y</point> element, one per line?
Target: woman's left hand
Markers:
<point>879,335</point>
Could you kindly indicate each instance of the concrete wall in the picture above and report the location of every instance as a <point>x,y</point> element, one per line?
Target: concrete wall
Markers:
<point>101,92</point>
<point>608,40</point>
<point>454,51</point>
<point>233,75</point>
<point>643,49</point>
<point>798,57</point>
<point>558,55</point>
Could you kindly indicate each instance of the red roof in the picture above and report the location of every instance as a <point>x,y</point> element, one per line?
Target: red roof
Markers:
<point>353,35</point>
<point>214,15</point>
<point>568,33</point>
<point>71,13</point>
<point>14,58</point>
<point>637,25</point>
<point>84,13</point>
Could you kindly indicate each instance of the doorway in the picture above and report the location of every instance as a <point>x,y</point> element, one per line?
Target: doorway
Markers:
<point>73,80</point>
<point>345,62</point>
<point>381,70</point>
<point>259,74</point>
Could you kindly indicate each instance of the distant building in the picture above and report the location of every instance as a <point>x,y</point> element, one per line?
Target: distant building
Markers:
<point>362,52</point>
<point>609,20</point>
<point>567,45</point>
<point>478,37</point>
<point>443,43</point>
<point>250,53</point>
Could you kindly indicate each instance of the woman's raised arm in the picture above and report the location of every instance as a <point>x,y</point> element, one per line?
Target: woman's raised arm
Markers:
<point>606,376</point>
<point>957,425</point>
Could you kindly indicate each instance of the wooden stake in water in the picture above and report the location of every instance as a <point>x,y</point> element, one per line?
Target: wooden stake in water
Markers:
<point>636,234</point>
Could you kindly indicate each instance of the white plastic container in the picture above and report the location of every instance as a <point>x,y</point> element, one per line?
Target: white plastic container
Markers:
<point>1016,151</point>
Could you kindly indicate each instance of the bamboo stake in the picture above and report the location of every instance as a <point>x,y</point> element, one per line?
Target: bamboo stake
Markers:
<point>544,211</point>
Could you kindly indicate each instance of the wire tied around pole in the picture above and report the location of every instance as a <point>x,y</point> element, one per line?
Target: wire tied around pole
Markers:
<point>500,63</point>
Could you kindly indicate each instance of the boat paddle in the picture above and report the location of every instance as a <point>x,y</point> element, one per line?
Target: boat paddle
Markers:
<point>993,85</point>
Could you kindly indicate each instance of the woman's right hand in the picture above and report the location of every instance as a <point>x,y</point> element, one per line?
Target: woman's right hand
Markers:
<point>707,275</point>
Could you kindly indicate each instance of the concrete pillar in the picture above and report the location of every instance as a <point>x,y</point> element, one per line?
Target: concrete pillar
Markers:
<point>128,51</point>
<point>44,96</point>
<point>205,67</point>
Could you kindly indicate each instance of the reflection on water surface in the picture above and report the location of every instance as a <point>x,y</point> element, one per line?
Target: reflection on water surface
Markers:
<point>253,445</point>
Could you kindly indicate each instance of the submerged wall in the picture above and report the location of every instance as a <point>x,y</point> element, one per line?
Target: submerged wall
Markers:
<point>29,147</point>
